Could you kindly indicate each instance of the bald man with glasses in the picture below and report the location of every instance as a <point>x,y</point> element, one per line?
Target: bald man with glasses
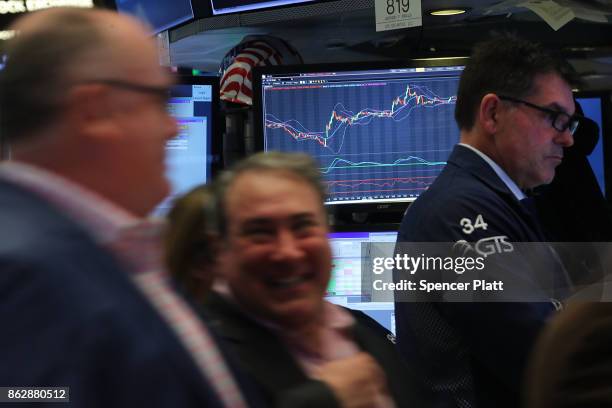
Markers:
<point>516,115</point>
<point>86,303</point>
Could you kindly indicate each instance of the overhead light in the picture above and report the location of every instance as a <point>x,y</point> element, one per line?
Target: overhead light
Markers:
<point>7,34</point>
<point>581,49</point>
<point>448,12</point>
<point>439,58</point>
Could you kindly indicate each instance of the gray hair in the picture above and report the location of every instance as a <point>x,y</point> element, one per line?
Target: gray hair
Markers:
<point>298,165</point>
<point>38,70</point>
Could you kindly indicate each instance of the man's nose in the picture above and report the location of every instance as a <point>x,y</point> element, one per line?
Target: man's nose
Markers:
<point>288,246</point>
<point>565,138</point>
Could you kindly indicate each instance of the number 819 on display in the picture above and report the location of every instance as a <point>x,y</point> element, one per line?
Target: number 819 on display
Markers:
<point>398,6</point>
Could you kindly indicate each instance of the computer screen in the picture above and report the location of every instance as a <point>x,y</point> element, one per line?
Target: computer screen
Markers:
<point>593,108</point>
<point>380,133</point>
<point>240,6</point>
<point>193,154</point>
<point>345,284</point>
<point>4,154</point>
<point>159,14</point>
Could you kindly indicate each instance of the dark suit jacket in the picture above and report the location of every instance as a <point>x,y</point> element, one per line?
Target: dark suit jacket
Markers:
<point>283,382</point>
<point>71,317</point>
<point>573,209</point>
<point>474,353</point>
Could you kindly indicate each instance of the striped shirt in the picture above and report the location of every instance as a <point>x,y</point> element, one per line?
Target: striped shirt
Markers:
<point>137,243</point>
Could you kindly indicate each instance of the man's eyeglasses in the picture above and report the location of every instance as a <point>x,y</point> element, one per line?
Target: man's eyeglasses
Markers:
<point>561,121</point>
<point>163,92</point>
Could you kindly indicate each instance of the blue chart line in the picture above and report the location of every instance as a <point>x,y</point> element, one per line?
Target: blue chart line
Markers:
<point>411,183</point>
<point>415,96</point>
<point>339,163</point>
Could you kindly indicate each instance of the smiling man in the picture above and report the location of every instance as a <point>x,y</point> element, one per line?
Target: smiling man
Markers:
<point>279,228</point>
<point>515,112</point>
<point>275,266</point>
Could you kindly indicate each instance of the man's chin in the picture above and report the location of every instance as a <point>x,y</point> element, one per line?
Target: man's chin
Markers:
<point>542,180</point>
<point>295,317</point>
<point>154,197</point>
<point>550,178</point>
<point>166,189</point>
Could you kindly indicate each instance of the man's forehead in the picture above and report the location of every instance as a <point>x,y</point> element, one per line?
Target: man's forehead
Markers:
<point>256,219</point>
<point>44,19</point>
<point>136,55</point>
<point>553,92</point>
<point>266,176</point>
<point>270,186</point>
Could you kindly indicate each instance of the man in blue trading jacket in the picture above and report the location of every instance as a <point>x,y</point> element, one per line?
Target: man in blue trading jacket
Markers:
<point>515,112</point>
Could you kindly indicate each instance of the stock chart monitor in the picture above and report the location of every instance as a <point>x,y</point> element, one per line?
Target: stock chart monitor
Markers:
<point>379,134</point>
<point>194,153</point>
<point>345,285</point>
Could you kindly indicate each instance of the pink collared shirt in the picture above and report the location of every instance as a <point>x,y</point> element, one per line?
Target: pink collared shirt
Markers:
<point>335,341</point>
<point>137,243</point>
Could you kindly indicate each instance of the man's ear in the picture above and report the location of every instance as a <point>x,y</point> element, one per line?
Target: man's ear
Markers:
<point>489,113</point>
<point>91,112</point>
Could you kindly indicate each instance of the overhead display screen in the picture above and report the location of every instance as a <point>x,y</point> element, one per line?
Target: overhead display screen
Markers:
<point>379,135</point>
<point>239,6</point>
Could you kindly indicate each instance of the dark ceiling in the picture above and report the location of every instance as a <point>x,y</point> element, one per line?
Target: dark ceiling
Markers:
<point>344,30</point>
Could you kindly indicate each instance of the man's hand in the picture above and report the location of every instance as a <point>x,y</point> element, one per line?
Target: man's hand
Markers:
<point>357,381</point>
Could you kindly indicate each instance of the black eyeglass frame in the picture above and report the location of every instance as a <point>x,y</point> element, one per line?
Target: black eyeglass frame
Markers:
<point>573,121</point>
<point>160,91</point>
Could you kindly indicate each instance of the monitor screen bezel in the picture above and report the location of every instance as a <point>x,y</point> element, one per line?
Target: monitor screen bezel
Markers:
<point>214,157</point>
<point>343,211</point>
<point>215,153</point>
<point>256,8</point>
<point>606,125</point>
<point>196,12</point>
<point>367,227</point>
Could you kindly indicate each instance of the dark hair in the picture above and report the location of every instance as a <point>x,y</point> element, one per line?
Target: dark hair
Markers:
<point>571,364</point>
<point>299,165</point>
<point>190,239</point>
<point>505,65</point>
<point>37,71</point>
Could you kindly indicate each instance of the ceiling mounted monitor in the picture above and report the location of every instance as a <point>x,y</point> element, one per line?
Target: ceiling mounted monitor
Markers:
<point>195,153</point>
<point>381,133</point>
<point>159,14</point>
<point>241,6</point>
<point>595,105</point>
